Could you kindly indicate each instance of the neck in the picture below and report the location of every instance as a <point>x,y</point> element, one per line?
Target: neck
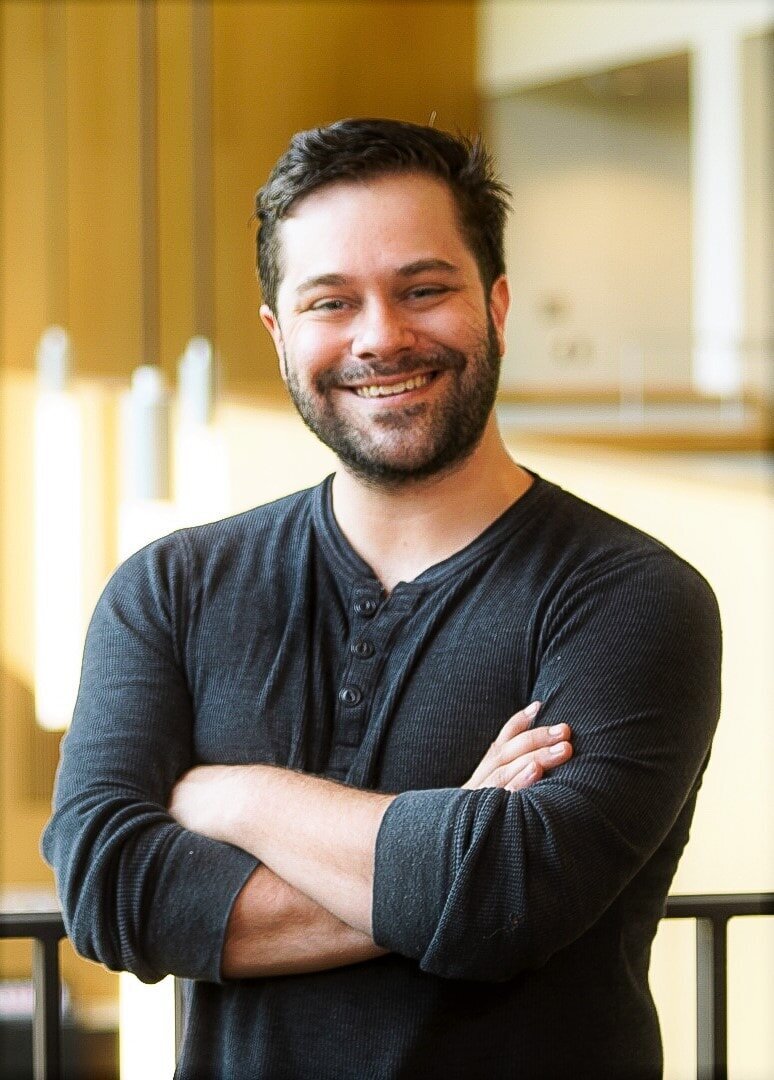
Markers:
<point>402,531</point>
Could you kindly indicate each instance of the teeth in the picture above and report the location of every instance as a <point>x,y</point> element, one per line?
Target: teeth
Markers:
<point>376,390</point>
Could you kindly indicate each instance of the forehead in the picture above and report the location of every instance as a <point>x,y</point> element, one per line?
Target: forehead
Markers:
<point>376,225</point>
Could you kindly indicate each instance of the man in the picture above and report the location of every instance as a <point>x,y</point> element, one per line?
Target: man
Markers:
<point>288,778</point>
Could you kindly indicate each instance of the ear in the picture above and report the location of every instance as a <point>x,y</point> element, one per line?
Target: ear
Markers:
<point>271,322</point>
<point>499,302</point>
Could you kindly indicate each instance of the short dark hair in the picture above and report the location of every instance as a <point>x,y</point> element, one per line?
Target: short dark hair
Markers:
<point>362,148</point>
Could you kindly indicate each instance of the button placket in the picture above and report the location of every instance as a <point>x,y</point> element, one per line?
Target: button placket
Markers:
<point>372,627</point>
<point>357,679</point>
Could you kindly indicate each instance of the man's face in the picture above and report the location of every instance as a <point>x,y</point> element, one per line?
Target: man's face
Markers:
<point>387,343</point>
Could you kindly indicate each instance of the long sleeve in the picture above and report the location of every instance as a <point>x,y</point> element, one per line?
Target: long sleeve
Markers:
<point>484,884</point>
<point>138,892</point>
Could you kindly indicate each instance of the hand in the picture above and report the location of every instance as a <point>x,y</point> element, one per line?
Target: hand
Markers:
<point>521,755</point>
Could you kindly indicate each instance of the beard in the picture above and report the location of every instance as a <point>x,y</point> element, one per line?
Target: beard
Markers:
<point>399,446</point>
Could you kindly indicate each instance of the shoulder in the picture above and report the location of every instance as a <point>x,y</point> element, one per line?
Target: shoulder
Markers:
<point>635,580</point>
<point>595,554</point>
<point>628,619</point>
<point>274,523</point>
<point>593,539</point>
<point>204,556</point>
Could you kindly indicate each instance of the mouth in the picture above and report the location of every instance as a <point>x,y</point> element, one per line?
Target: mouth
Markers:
<point>392,389</point>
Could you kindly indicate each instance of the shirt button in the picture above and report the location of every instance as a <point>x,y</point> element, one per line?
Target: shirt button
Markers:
<point>366,607</point>
<point>363,649</point>
<point>350,695</point>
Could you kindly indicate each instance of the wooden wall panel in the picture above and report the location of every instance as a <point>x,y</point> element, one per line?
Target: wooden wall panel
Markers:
<point>70,235</point>
<point>22,203</point>
<point>175,180</point>
<point>104,191</point>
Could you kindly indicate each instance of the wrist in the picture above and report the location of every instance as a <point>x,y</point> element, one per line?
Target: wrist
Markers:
<point>213,800</point>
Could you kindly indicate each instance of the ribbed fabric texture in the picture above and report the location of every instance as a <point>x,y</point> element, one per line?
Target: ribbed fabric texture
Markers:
<point>521,923</point>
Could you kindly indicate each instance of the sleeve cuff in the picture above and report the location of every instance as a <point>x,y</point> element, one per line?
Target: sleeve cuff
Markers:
<point>414,867</point>
<point>197,891</point>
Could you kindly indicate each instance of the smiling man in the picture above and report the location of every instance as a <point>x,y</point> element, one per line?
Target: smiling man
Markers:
<point>298,775</point>
<point>421,338</point>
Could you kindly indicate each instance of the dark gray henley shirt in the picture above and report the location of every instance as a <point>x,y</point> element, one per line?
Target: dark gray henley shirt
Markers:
<point>519,924</point>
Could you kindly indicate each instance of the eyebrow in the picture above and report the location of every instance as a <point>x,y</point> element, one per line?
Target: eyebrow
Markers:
<point>320,281</point>
<point>412,269</point>
<point>422,265</point>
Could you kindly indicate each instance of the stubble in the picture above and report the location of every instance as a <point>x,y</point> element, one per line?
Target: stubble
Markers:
<point>415,442</point>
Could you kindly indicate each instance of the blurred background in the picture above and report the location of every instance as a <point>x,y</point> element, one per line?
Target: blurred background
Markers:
<point>138,391</point>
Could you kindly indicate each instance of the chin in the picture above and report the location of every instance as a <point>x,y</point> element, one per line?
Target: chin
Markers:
<point>392,472</point>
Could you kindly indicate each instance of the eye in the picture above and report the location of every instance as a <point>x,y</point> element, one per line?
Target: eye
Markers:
<point>331,305</point>
<point>427,292</point>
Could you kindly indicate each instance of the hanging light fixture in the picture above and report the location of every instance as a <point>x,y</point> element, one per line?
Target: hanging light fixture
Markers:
<point>201,468</point>
<point>59,553</point>
<point>146,511</point>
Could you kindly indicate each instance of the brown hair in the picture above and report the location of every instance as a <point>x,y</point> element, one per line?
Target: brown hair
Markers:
<point>363,148</point>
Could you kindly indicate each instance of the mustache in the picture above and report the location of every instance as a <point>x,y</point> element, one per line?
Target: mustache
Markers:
<point>357,372</point>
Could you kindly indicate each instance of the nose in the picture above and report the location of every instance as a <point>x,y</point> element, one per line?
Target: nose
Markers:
<point>381,330</point>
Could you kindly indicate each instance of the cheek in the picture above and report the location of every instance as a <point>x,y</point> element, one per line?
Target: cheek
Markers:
<point>462,326</point>
<point>311,349</point>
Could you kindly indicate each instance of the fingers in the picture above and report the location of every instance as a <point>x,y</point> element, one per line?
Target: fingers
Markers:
<point>511,772</point>
<point>528,741</point>
<point>517,723</point>
<point>540,763</point>
<point>530,774</point>
<point>514,726</point>
<point>521,755</point>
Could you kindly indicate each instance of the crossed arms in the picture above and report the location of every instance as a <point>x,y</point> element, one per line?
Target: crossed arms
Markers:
<point>308,906</point>
<point>480,881</point>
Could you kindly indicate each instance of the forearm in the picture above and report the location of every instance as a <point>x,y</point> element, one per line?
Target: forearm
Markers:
<point>318,836</point>
<point>275,930</point>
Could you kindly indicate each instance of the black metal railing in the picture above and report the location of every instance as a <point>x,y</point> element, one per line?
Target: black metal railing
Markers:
<point>711,913</point>
<point>46,930</point>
